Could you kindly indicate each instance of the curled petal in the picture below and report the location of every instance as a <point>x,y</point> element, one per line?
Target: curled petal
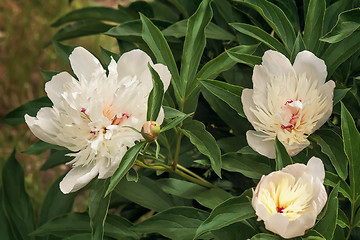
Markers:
<point>277,64</point>
<point>314,67</point>
<point>258,142</point>
<point>77,178</point>
<point>85,65</point>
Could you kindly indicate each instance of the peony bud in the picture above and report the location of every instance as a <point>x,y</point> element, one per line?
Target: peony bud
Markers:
<point>150,131</point>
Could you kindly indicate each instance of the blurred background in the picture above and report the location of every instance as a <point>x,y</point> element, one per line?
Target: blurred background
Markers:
<point>25,34</point>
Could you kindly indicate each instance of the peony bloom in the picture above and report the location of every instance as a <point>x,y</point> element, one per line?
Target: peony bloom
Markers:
<point>289,200</point>
<point>88,114</point>
<point>287,101</point>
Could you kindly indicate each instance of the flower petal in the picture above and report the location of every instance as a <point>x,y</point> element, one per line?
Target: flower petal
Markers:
<point>327,90</point>
<point>133,63</point>
<point>85,65</point>
<point>277,64</point>
<point>55,87</point>
<point>315,167</point>
<point>277,223</point>
<point>314,67</point>
<point>77,178</point>
<point>248,104</point>
<point>164,74</point>
<point>258,143</point>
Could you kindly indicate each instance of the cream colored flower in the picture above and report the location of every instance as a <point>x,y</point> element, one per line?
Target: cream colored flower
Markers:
<point>88,114</point>
<point>288,201</point>
<point>287,101</point>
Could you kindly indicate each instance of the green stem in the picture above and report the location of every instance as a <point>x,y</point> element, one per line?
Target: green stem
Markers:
<point>163,167</point>
<point>351,219</point>
<point>177,152</point>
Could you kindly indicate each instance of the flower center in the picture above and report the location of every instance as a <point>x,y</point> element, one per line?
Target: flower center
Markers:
<point>286,197</point>
<point>289,114</point>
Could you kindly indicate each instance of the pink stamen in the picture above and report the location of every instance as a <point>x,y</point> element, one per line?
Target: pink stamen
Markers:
<point>280,209</point>
<point>83,111</point>
<point>117,121</point>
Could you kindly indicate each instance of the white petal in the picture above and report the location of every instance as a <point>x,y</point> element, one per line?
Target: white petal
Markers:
<point>327,90</point>
<point>77,178</point>
<point>55,88</point>
<point>299,226</point>
<point>161,116</point>
<point>295,148</point>
<point>260,80</point>
<point>277,223</point>
<point>297,170</point>
<point>314,67</point>
<point>277,64</point>
<point>85,65</point>
<point>315,167</point>
<point>248,104</point>
<point>133,63</point>
<point>257,142</point>
<point>321,199</point>
<point>164,74</point>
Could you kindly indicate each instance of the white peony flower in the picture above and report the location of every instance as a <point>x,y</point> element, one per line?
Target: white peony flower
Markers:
<point>287,101</point>
<point>89,113</point>
<point>289,200</point>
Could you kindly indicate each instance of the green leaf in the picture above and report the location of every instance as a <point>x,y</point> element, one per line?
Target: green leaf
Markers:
<point>326,226</point>
<point>251,166</point>
<point>98,208</point>
<point>261,36</point>
<point>233,210</point>
<point>333,180</point>
<point>299,46</point>
<point>16,116</point>
<point>351,138</point>
<point>81,28</point>
<point>126,163</point>
<point>56,158</point>
<point>178,223</point>
<point>231,94</point>
<point>63,51</point>
<point>244,58</point>
<point>276,18</point>
<point>212,31</point>
<point>204,142</point>
<point>282,157</point>
<point>332,145</point>
<point>207,197</point>
<point>16,202</point>
<point>339,52</point>
<point>145,193</point>
<point>56,203</point>
<point>343,220</point>
<point>172,112</point>
<point>347,23</point>
<point>40,147</point>
<point>265,236</point>
<point>339,94</point>
<point>175,122</point>
<point>47,75</point>
<point>223,62</point>
<point>106,54</point>
<point>132,175</point>
<point>239,230</point>
<point>64,226</point>
<point>96,13</point>
<point>5,233</point>
<point>78,223</point>
<point>155,97</point>
<point>158,45</point>
<point>314,24</point>
<point>194,45</point>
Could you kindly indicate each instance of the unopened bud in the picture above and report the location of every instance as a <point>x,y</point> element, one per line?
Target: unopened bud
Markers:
<point>150,131</point>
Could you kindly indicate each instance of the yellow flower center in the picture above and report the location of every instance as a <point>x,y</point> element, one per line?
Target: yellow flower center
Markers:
<point>286,197</point>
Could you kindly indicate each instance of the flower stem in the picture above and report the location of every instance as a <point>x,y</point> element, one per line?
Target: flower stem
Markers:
<point>163,167</point>
<point>351,219</point>
<point>177,152</point>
